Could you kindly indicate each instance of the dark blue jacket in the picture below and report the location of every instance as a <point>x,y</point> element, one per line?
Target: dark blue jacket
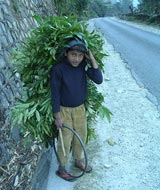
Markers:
<point>69,84</point>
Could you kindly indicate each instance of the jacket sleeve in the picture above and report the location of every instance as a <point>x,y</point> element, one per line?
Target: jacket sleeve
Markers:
<point>95,75</point>
<point>55,83</point>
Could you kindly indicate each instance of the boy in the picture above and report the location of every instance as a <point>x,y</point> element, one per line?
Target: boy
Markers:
<point>69,92</point>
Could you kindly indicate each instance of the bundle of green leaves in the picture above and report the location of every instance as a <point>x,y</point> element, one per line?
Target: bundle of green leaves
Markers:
<point>34,59</point>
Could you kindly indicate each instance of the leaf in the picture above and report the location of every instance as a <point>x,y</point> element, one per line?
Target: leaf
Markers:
<point>31,112</point>
<point>20,118</point>
<point>105,112</point>
<point>38,19</point>
<point>38,116</point>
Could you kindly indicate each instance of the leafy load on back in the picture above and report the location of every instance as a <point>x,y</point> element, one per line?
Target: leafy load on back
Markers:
<point>34,59</point>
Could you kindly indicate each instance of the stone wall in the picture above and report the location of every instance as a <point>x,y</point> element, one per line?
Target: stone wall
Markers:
<point>16,20</point>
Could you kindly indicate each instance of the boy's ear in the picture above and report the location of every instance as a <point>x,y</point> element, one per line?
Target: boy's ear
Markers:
<point>65,53</point>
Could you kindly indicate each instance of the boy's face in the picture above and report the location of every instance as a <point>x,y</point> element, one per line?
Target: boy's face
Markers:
<point>75,57</point>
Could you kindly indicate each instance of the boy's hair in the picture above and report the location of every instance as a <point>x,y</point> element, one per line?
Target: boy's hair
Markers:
<point>76,44</point>
<point>73,44</point>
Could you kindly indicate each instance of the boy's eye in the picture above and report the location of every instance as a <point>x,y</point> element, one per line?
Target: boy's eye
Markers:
<point>73,54</point>
<point>77,55</point>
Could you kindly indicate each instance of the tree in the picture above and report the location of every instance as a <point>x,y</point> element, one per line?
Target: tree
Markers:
<point>149,6</point>
<point>72,7</point>
<point>98,8</point>
<point>81,8</point>
<point>125,5</point>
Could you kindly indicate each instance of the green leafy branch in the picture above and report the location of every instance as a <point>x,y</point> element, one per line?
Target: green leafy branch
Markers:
<point>34,59</point>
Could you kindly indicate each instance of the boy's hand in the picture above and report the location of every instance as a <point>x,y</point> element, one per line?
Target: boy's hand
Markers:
<point>90,57</point>
<point>58,121</point>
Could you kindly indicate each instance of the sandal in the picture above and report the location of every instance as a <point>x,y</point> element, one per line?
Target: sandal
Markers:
<point>65,175</point>
<point>81,166</point>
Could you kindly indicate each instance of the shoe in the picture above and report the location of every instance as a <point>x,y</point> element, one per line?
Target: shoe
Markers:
<point>65,175</point>
<point>81,166</point>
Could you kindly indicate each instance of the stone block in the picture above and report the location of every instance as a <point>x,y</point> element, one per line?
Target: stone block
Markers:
<point>4,155</point>
<point>41,175</point>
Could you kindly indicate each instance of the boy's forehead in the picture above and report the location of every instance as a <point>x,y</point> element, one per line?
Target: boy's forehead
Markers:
<point>76,51</point>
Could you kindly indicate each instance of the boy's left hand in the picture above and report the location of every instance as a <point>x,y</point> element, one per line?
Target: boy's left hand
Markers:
<point>90,57</point>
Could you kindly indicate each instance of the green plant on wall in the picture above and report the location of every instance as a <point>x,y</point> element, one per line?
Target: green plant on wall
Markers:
<point>15,5</point>
<point>34,59</point>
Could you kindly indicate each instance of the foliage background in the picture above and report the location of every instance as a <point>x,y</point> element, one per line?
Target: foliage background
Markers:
<point>85,9</point>
<point>147,11</point>
<point>149,6</point>
<point>82,9</point>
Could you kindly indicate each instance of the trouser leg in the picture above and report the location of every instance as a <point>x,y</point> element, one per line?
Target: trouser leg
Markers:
<point>66,135</point>
<point>80,126</point>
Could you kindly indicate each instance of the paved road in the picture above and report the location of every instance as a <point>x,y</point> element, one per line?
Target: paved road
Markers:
<point>139,48</point>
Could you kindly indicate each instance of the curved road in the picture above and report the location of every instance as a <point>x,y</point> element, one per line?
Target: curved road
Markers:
<point>139,48</point>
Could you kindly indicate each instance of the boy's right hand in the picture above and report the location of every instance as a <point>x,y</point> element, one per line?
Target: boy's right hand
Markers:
<point>58,121</point>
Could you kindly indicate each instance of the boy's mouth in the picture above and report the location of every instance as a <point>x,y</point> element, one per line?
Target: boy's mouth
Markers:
<point>75,64</point>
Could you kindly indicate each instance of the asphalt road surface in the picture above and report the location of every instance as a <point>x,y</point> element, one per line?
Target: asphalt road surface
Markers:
<point>139,48</point>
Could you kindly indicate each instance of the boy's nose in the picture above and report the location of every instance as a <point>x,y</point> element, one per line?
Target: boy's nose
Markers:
<point>77,58</point>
